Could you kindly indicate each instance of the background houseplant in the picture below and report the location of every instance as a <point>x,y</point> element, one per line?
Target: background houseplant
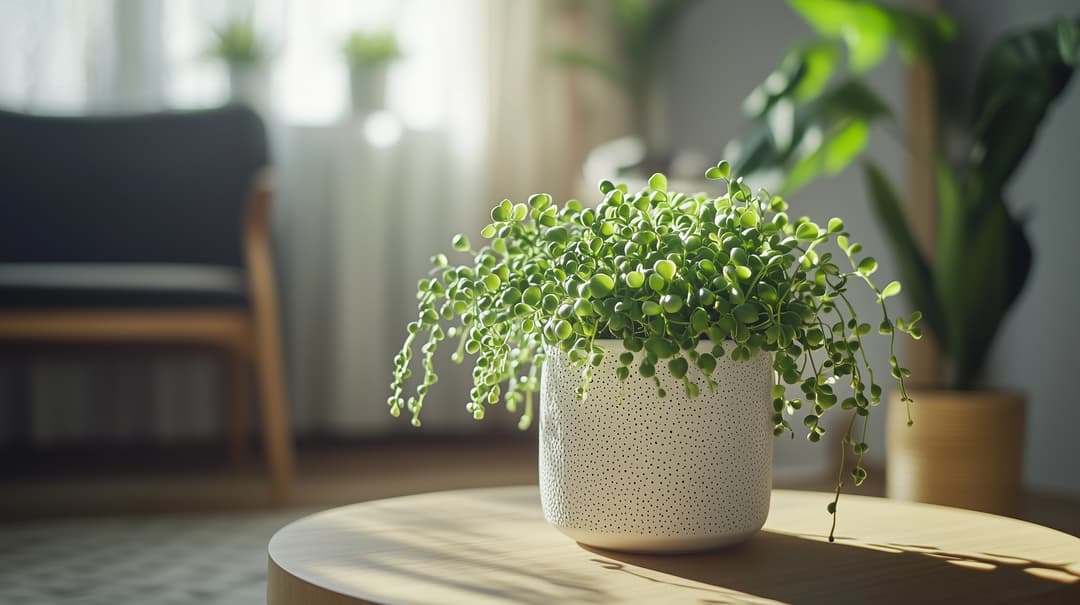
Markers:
<point>659,273</point>
<point>812,124</point>
<point>237,45</point>
<point>641,31</point>
<point>367,55</point>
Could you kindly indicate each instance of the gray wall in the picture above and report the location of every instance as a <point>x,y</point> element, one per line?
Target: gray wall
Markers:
<point>725,48</point>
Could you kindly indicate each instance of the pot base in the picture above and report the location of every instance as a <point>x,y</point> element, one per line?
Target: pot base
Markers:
<point>656,545</point>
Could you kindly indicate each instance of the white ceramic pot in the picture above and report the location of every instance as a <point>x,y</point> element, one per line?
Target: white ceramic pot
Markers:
<point>627,470</point>
<point>248,85</point>
<point>367,88</point>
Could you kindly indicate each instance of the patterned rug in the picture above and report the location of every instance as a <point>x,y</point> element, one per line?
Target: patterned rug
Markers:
<point>210,559</point>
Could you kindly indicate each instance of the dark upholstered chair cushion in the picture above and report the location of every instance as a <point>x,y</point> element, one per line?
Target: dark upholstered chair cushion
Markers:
<point>81,197</point>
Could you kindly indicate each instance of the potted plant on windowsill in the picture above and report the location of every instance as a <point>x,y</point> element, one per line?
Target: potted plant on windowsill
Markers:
<point>238,46</point>
<point>967,446</point>
<point>368,54</point>
<point>654,326</point>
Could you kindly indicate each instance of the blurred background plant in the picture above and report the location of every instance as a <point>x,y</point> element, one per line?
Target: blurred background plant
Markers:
<point>812,118</point>
<point>641,31</point>
<point>237,44</point>
<point>371,48</point>
<point>368,54</point>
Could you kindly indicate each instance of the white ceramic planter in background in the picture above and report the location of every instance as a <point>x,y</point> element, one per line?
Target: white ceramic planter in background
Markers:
<point>249,85</point>
<point>367,88</point>
<point>627,470</point>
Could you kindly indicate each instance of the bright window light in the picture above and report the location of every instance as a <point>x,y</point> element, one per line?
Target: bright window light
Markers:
<point>382,129</point>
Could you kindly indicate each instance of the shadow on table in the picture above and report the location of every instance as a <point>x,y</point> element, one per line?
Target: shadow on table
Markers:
<point>448,563</point>
<point>807,569</point>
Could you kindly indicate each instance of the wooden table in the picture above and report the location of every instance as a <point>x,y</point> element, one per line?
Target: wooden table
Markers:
<point>493,546</point>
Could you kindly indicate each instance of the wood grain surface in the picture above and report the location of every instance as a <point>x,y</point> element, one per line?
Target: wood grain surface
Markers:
<point>493,546</point>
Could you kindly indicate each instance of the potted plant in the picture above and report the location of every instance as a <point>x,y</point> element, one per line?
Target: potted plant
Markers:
<point>238,46</point>
<point>654,326</point>
<point>966,450</point>
<point>367,55</point>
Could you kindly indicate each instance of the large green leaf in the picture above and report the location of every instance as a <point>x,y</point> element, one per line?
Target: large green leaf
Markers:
<point>824,136</point>
<point>915,271</point>
<point>1020,77</point>
<point>802,76</point>
<point>983,259</point>
<point>984,287</point>
<point>868,28</point>
<point>954,274</point>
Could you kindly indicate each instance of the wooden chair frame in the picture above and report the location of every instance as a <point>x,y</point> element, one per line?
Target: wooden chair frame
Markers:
<point>250,339</point>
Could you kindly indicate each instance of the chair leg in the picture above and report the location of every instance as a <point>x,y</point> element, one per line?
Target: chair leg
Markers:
<point>277,435</point>
<point>238,391</point>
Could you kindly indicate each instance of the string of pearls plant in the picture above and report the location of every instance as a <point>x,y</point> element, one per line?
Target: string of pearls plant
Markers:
<point>661,271</point>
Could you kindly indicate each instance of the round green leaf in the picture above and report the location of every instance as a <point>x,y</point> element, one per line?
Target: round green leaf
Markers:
<point>891,290</point>
<point>867,266</point>
<point>806,232</point>
<point>601,285</point>
<point>665,268</point>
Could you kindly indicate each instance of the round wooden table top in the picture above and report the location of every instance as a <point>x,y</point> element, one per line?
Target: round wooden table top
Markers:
<point>493,546</point>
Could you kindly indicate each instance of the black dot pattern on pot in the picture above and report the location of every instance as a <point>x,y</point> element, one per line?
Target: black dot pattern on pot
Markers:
<point>625,461</point>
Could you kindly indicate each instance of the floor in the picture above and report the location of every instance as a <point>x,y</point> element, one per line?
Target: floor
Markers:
<point>178,527</point>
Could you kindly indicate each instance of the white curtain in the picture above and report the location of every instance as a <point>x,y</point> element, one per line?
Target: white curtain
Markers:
<point>473,115</point>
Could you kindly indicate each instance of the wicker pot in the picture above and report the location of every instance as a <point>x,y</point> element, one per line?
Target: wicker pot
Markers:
<point>627,470</point>
<point>965,449</point>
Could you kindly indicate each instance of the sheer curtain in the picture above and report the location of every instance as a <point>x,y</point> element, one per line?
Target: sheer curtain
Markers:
<point>473,115</point>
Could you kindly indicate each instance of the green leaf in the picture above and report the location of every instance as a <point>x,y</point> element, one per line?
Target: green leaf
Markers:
<point>699,320</point>
<point>1018,80</point>
<point>665,268</point>
<point>661,347</point>
<point>867,266</point>
<point>891,290</point>
<point>519,212</point>
<point>678,367</point>
<point>671,304</point>
<point>1068,36</point>
<point>806,232</point>
<point>868,28</point>
<point>531,296</point>
<point>827,134</point>
<point>748,218</point>
<point>658,182</point>
<point>745,313</point>
<point>802,75</point>
<point>601,285</point>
